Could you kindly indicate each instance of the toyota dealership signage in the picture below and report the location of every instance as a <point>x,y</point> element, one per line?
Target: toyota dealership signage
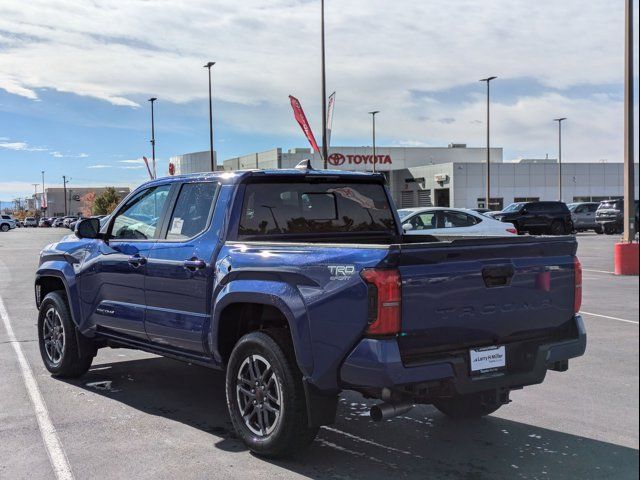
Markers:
<point>351,161</point>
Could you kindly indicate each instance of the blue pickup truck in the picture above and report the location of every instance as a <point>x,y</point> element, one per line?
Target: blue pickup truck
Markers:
<point>300,284</point>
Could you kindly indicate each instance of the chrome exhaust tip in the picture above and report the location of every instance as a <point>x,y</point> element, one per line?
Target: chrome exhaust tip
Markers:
<point>385,411</point>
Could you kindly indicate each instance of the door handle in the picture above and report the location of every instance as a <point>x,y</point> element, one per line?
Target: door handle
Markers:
<point>137,260</point>
<point>194,264</point>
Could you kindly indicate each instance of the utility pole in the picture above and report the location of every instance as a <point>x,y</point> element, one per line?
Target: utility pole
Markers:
<point>373,119</point>
<point>213,161</point>
<point>629,193</point>
<point>559,120</point>
<point>64,183</point>
<point>325,149</point>
<point>488,179</point>
<point>153,139</point>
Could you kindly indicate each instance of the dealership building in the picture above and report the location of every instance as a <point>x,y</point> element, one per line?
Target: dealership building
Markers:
<point>452,176</point>
<point>79,200</point>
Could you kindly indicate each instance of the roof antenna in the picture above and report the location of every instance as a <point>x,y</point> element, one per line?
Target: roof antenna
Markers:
<point>304,165</point>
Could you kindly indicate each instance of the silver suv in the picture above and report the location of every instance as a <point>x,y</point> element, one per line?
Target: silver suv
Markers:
<point>7,222</point>
<point>583,216</point>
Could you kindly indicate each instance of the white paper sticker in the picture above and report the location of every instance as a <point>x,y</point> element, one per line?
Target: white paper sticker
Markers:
<point>487,358</point>
<point>176,226</point>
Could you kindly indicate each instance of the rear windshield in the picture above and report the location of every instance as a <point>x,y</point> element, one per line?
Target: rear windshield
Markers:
<point>314,208</point>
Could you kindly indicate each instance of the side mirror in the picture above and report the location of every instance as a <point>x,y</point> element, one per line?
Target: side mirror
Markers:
<point>524,210</point>
<point>407,226</point>
<point>88,228</point>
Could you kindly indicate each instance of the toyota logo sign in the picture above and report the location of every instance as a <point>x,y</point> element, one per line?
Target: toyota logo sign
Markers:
<point>336,159</point>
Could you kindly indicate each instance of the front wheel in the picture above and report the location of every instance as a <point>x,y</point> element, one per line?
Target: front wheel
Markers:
<point>4,227</point>
<point>466,406</point>
<point>265,396</point>
<point>58,338</point>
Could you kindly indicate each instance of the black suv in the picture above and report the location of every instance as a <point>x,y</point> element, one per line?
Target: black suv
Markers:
<point>610,216</point>
<point>551,218</point>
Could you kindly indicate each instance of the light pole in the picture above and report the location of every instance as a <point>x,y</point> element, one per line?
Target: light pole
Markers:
<point>629,193</point>
<point>559,120</point>
<point>325,149</point>
<point>153,138</point>
<point>373,120</point>
<point>488,180</point>
<point>44,210</point>
<point>213,161</point>
<point>64,186</point>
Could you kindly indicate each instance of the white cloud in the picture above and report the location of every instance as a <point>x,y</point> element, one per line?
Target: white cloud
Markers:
<point>99,166</point>
<point>21,147</point>
<point>377,53</point>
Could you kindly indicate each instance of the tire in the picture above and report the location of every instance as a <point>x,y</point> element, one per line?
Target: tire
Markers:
<point>599,230</point>
<point>284,433</point>
<point>465,406</point>
<point>557,228</point>
<point>60,354</point>
<point>4,227</point>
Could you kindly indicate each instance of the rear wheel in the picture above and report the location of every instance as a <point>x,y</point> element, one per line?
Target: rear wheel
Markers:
<point>4,227</point>
<point>265,396</point>
<point>58,338</point>
<point>467,406</point>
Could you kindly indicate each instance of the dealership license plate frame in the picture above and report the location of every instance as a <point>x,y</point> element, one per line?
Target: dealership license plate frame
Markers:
<point>481,361</point>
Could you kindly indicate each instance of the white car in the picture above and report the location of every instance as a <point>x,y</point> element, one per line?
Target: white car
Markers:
<point>30,222</point>
<point>452,221</point>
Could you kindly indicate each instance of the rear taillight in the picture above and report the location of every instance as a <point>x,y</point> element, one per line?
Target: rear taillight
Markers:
<point>512,230</point>
<point>384,301</point>
<point>577,296</point>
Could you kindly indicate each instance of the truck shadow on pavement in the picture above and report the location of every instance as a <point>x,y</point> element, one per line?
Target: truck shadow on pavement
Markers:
<point>420,444</point>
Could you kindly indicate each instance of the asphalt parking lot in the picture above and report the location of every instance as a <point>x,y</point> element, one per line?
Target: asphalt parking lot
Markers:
<point>135,415</point>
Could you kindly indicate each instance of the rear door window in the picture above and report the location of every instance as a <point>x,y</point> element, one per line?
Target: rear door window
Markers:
<point>457,219</point>
<point>192,211</point>
<point>314,208</point>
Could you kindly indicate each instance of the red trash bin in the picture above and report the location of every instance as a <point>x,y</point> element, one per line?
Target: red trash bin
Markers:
<point>625,259</point>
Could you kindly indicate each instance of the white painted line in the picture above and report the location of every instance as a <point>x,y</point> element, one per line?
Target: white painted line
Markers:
<point>597,271</point>
<point>370,442</point>
<point>608,317</point>
<point>57,457</point>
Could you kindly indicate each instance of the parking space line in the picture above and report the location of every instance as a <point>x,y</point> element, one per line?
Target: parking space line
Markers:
<point>608,317</point>
<point>597,271</point>
<point>57,457</point>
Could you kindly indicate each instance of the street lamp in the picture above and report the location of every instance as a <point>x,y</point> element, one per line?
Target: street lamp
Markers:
<point>153,138</point>
<point>559,120</point>
<point>325,149</point>
<point>213,161</point>
<point>488,181</point>
<point>373,120</point>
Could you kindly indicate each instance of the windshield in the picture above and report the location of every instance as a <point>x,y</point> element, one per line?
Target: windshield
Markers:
<point>611,204</point>
<point>572,206</point>
<point>514,207</point>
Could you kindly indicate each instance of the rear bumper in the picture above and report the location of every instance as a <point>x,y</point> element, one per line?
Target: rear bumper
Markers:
<point>375,364</point>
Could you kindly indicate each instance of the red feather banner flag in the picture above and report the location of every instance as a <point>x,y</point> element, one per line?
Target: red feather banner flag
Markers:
<point>301,118</point>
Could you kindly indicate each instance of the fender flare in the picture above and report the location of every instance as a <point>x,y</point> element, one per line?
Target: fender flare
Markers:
<point>271,293</point>
<point>70,287</point>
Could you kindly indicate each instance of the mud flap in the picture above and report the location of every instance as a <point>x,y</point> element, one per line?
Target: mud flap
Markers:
<point>321,406</point>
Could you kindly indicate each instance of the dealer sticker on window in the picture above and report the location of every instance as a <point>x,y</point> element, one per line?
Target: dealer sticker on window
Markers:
<point>487,359</point>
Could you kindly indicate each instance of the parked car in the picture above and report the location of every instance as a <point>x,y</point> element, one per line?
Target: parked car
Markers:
<point>551,218</point>
<point>481,210</point>
<point>301,283</point>
<point>67,220</point>
<point>30,222</point>
<point>58,222</point>
<point>583,216</point>
<point>610,216</point>
<point>7,222</point>
<point>44,222</point>
<point>451,221</point>
<point>74,222</point>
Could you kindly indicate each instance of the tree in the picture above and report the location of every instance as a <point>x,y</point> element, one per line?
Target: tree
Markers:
<point>88,200</point>
<point>106,202</point>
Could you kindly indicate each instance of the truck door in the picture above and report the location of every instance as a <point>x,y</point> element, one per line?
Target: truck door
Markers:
<point>113,284</point>
<point>180,269</point>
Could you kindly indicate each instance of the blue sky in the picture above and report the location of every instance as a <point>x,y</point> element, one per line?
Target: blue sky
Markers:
<point>74,79</point>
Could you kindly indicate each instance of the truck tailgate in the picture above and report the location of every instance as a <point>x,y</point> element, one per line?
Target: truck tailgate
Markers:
<point>476,292</point>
